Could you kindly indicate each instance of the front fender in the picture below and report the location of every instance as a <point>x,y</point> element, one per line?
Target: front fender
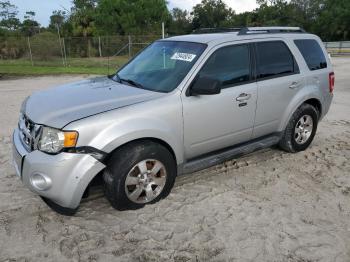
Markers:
<point>306,93</point>
<point>138,128</point>
<point>160,119</point>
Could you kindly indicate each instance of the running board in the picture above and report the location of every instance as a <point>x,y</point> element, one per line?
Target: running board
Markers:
<point>230,153</point>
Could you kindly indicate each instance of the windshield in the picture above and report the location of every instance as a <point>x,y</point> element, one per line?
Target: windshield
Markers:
<point>161,66</point>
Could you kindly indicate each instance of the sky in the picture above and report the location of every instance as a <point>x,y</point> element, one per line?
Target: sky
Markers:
<point>44,8</point>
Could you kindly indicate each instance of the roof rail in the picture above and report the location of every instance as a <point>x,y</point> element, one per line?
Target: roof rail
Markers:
<point>217,30</point>
<point>270,30</point>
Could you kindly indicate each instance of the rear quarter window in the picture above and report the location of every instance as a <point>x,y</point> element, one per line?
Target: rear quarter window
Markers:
<point>274,59</point>
<point>312,53</point>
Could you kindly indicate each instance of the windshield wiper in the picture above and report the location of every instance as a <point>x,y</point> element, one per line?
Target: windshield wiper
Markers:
<point>131,82</point>
<point>115,78</point>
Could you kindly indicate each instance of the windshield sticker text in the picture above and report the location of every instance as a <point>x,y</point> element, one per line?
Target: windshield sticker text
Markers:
<point>183,57</point>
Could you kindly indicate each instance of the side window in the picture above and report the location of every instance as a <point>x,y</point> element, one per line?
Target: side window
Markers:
<point>312,53</point>
<point>230,65</point>
<point>274,59</point>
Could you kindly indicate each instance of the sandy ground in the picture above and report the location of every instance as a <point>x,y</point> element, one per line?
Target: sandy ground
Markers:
<point>267,206</point>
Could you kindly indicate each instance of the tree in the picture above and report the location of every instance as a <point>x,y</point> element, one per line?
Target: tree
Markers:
<point>8,16</point>
<point>131,16</point>
<point>83,17</point>
<point>211,13</point>
<point>275,13</point>
<point>333,20</point>
<point>327,18</point>
<point>30,26</point>
<point>242,19</point>
<point>57,18</point>
<point>59,21</point>
<point>180,22</point>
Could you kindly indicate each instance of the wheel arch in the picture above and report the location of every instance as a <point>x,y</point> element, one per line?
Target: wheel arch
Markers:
<point>316,104</point>
<point>152,139</point>
<point>311,99</point>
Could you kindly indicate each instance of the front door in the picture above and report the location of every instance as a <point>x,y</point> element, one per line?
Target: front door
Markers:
<point>213,122</point>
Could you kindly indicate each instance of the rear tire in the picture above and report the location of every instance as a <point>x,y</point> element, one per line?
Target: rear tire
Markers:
<point>300,130</point>
<point>139,173</point>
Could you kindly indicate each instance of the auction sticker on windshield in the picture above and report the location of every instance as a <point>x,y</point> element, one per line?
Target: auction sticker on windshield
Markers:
<point>183,57</point>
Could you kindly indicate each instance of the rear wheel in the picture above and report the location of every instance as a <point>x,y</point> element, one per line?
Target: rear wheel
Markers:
<point>300,130</point>
<point>139,173</point>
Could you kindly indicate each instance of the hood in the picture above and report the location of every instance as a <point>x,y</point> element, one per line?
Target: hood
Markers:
<point>58,106</point>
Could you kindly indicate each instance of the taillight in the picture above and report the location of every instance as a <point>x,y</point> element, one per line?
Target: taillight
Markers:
<point>331,82</point>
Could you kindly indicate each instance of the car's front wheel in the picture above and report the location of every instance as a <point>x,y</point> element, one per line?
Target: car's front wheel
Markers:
<point>300,130</point>
<point>139,173</point>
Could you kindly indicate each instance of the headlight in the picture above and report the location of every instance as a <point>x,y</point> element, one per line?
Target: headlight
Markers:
<point>53,140</point>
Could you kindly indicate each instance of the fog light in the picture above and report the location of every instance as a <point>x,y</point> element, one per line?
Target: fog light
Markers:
<point>40,182</point>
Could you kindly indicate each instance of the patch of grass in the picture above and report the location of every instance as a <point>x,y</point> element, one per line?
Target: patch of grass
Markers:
<point>50,70</point>
<point>98,66</point>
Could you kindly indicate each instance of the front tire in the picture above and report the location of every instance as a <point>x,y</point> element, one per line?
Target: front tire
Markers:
<point>139,173</point>
<point>59,209</point>
<point>300,130</point>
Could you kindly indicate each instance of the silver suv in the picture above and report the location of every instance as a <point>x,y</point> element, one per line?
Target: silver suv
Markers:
<point>182,104</point>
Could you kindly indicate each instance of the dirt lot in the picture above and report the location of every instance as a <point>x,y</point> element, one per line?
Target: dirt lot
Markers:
<point>268,206</point>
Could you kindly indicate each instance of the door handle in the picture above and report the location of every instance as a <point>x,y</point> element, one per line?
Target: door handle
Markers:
<point>294,85</point>
<point>243,97</point>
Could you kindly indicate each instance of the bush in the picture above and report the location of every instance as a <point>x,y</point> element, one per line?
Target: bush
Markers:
<point>45,46</point>
<point>13,47</point>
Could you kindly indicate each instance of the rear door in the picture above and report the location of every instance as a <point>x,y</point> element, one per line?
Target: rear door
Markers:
<point>278,80</point>
<point>213,122</point>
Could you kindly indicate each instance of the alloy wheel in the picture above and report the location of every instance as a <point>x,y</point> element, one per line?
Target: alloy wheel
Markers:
<point>303,129</point>
<point>145,181</point>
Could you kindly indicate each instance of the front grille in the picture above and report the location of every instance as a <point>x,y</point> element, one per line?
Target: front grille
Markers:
<point>29,132</point>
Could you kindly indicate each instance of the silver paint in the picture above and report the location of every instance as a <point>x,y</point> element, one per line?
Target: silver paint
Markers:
<point>108,114</point>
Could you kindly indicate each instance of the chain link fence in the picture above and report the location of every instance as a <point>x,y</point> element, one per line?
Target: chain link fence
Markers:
<point>51,50</point>
<point>108,52</point>
<point>338,48</point>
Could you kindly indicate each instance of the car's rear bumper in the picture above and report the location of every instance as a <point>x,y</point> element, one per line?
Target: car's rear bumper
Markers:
<point>62,178</point>
<point>327,101</point>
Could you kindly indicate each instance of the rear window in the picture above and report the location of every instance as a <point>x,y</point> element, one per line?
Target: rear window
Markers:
<point>274,59</point>
<point>312,53</point>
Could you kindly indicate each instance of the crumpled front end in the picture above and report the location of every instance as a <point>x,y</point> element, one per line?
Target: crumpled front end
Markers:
<point>62,177</point>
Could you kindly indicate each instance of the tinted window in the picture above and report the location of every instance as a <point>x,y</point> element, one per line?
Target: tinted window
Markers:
<point>312,53</point>
<point>230,65</point>
<point>274,59</point>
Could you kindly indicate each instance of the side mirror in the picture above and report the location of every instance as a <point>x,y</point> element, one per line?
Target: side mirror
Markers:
<point>205,86</point>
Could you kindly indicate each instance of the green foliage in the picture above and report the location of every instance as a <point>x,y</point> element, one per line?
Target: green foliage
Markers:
<point>59,22</point>
<point>211,13</point>
<point>131,16</point>
<point>76,66</point>
<point>8,13</point>
<point>45,46</point>
<point>29,26</point>
<point>12,47</point>
<point>180,22</point>
<point>280,12</point>
<point>57,18</point>
<point>333,22</point>
<point>50,70</point>
<point>326,18</point>
<point>83,17</point>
